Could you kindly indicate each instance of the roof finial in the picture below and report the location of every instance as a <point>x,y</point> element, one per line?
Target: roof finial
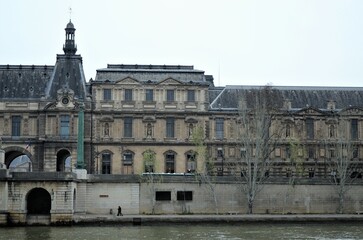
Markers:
<point>70,13</point>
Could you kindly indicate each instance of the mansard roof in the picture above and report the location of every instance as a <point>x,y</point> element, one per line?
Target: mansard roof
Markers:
<point>68,74</point>
<point>151,73</point>
<point>299,97</point>
<point>24,82</point>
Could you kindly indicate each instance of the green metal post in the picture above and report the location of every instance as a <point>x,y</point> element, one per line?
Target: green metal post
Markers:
<point>80,141</point>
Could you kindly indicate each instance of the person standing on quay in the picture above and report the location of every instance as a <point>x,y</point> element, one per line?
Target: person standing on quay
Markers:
<point>119,211</point>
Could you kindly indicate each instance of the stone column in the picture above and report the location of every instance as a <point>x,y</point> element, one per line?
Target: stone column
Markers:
<point>2,159</point>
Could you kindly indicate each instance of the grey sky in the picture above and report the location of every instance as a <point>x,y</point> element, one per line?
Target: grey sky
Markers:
<point>282,42</point>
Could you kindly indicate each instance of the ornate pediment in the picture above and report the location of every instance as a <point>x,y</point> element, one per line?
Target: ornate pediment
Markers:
<point>170,81</point>
<point>310,111</point>
<point>352,111</point>
<point>128,80</point>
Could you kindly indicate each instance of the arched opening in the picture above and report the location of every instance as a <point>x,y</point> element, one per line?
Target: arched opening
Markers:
<point>38,202</point>
<point>18,160</point>
<point>63,161</point>
<point>21,164</point>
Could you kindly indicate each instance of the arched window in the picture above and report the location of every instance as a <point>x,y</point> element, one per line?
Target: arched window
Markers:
<point>191,163</point>
<point>170,162</point>
<point>106,163</point>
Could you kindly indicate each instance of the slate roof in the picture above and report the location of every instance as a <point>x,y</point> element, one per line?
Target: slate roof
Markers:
<point>300,97</point>
<point>68,74</point>
<point>24,81</point>
<point>151,73</point>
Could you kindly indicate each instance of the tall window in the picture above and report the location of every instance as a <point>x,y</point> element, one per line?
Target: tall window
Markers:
<point>310,128</point>
<point>128,127</point>
<point>311,152</point>
<point>170,162</point>
<point>149,161</point>
<point>191,165</point>
<point>170,95</point>
<point>191,96</point>
<point>354,129</point>
<point>170,123</point>
<point>64,129</point>
<point>128,95</point>
<point>106,163</point>
<point>127,163</point>
<point>288,129</point>
<point>15,126</point>
<point>219,128</point>
<point>149,95</point>
<point>107,94</point>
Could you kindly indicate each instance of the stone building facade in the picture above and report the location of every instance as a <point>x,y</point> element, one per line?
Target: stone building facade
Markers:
<point>135,119</point>
<point>128,110</point>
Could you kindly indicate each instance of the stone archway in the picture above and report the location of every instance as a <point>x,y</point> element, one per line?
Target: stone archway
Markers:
<point>18,159</point>
<point>62,157</point>
<point>38,202</point>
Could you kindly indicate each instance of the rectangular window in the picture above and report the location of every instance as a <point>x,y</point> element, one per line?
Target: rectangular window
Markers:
<point>170,96</point>
<point>64,129</point>
<point>310,128</point>
<point>15,126</point>
<point>219,128</point>
<point>162,195</point>
<point>354,129</point>
<point>355,152</point>
<point>184,195</point>
<point>191,96</point>
<point>128,95</point>
<point>149,95</point>
<point>243,153</point>
<point>288,152</point>
<point>128,127</point>
<point>107,94</point>
<point>311,153</point>
<point>170,124</point>
<point>220,153</point>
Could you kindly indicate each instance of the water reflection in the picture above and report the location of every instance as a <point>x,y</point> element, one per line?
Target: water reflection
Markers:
<point>190,232</point>
<point>37,233</point>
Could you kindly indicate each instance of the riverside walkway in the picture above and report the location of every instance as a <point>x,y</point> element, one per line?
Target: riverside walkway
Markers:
<point>194,218</point>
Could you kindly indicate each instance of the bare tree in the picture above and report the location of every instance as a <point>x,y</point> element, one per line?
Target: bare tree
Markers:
<point>149,177</point>
<point>294,167</point>
<point>257,140</point>
<point>205,176</point>
<point>342,162</point>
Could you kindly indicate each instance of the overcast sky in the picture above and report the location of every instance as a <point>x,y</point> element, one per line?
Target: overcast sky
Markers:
<point>240,42</point>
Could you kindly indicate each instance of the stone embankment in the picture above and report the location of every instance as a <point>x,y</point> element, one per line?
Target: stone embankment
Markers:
<point>235,218</point>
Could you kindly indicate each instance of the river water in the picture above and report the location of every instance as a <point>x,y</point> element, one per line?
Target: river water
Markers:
<point>190,232</point>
